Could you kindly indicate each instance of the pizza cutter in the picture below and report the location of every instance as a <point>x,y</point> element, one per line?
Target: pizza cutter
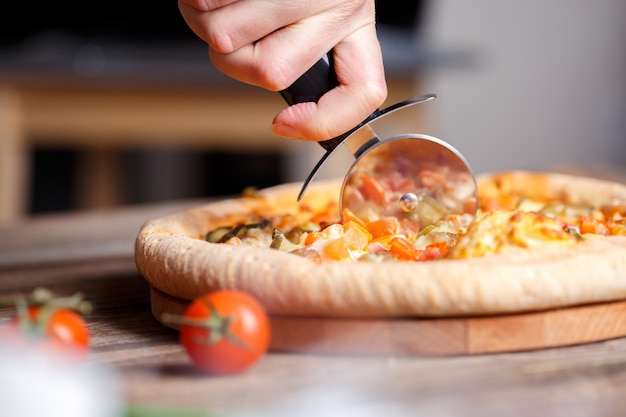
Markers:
<point>410,176</point>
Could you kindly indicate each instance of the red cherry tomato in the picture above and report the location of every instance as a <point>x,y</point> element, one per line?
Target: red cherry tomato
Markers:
<point>57,329</point>
<point>225,331</point>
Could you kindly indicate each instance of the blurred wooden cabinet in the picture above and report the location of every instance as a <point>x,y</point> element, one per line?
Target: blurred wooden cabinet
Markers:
<point>43,110</point>
<point>102,117</point>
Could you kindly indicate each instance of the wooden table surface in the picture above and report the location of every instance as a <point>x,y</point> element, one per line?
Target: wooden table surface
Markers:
<point>92,252</point>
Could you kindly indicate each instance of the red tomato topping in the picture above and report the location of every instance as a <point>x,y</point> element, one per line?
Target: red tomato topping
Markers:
<point>404,249</point>
<point>588,224</point>
<point>374,190</point>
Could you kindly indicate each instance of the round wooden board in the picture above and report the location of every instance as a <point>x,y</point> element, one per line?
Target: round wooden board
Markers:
<point>435,337</point>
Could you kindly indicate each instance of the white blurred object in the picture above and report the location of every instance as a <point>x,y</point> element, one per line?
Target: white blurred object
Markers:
<point>337,400</point>
<point>545,85</point>
<point>36,383</point>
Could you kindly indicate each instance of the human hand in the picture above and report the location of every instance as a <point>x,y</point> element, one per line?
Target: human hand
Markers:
<point>270,43</point>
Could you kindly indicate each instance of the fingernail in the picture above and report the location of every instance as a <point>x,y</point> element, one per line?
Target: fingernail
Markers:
<point>284,130</point>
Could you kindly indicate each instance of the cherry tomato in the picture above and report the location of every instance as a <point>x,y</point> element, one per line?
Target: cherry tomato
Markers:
<point>59,329</point>
<point>225,331</point>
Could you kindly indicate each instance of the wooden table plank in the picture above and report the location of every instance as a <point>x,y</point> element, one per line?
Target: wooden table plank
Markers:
<point>79,235</point>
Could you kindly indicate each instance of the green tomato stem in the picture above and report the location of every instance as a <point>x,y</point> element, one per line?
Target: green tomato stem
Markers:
<point>218,326</point>
<point>210,323</point>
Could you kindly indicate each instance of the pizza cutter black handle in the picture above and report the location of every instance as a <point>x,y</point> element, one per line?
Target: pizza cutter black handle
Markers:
<point>312,85</point>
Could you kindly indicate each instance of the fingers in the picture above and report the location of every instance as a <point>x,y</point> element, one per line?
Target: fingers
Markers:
<point>273,62</point>
<point>206,5</point>
<point>362,89</point>
<point>270,43</point>
<point>228,25</point>
<point>238,23</point>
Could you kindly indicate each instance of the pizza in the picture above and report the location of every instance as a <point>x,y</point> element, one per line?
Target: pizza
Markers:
<point>539,241</point>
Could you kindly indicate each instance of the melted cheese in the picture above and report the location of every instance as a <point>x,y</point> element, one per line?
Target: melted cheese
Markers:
<point>501,230</point>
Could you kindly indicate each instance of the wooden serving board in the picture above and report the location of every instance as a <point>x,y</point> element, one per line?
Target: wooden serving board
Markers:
<point>435,337</point>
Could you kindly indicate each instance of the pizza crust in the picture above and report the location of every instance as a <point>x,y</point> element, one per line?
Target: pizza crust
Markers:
<point>173,258</point>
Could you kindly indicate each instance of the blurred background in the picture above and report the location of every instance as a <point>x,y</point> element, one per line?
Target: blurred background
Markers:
<point>119,104</point>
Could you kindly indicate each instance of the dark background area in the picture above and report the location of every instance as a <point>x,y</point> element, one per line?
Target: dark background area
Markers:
<point>135,21</point>
<point>200,174</point>
<point>43,36</point>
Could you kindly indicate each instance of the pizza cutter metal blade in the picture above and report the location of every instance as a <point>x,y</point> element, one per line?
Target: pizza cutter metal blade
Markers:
<point>414,177</point>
